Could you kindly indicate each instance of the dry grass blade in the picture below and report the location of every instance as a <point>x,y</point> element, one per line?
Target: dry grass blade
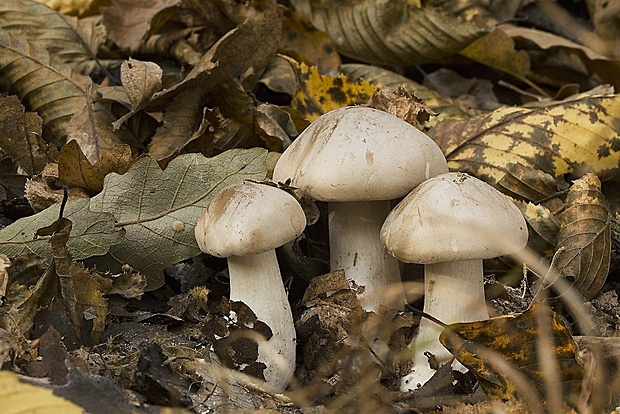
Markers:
<point>584,241</point>
<point>389,32</point>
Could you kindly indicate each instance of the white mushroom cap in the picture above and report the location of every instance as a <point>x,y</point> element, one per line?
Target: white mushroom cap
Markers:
<point>359,154</point>
<point>453,217</point>
<point>248,218</point>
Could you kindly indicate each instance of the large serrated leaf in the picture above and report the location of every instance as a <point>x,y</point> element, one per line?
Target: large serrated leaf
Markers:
<point>92,234</point>
<point>67,38</point>
<point>583,246</point>
<point>51,88</point>
<point>572,137</point>
<point>158,209</point>
<point>389,32</point>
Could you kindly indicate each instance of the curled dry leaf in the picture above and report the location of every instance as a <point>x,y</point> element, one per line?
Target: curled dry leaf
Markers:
<point>605,67</point>
<point>497,50</point>
<point>389,32</point>
<point>444,106</point>
<point>583,246</point>
<point>128,21</point>
<point>75,169</point>
<point>572,137</point>
<point>20,137</point>
<point>240,53</point>
<point>543,225</point>
<point>528,184</point>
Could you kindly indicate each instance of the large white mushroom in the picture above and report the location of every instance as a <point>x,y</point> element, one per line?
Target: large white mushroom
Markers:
<point>245,222</point>
<point>358,159</point>
<point>450,223</point>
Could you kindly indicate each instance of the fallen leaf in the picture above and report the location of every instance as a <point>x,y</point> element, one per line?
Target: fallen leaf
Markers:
<point>242,52</point>
<point>128,21</point>
<point>20,137</point>
<point>504,353</point>
<point>444,106</point>
<point>19,397</point>
<point>73,41</point>
<point>78,7</point>
<point>317,94</point>
<point>92,235</point>
<point>75,169</point>
<point>528,184</point>
<point>497,50</point>
<point>583,245</point>
<point>543,226</point>
<point>159,209</point>
<point>393,32</point>
<point>570,137</point>
<point>51,88</point>
<point>605,67</point>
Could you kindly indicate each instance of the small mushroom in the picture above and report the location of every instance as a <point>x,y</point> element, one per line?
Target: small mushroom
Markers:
<point>450,223</point>
<point>358,159</point>
<point>245,222</point>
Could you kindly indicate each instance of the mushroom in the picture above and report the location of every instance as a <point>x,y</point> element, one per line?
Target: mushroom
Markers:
<point>245,222</point>
<point>358,159</point>
<point>450,223</point>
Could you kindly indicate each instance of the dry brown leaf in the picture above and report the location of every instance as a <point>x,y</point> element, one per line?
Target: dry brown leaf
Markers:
<point>20,137</point>
<point>528,184</point>
<point>583,246</point>
<point>389,32</point>
<point>128,21</point>
<point>75,169</point>
<point>543,226</point>
<point>92,129</point>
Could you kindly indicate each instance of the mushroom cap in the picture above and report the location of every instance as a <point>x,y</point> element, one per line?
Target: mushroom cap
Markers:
<point>248,218</point>
<point>359,154</point>
<point>453,217</point>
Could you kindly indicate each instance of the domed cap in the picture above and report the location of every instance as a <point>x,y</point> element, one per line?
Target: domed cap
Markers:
<point>359,154</point>
<point>453,217</point>
<point>248,218</point>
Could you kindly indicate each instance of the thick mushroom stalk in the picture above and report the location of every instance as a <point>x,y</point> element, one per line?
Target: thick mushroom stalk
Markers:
<point>357,159</point>
<point>450,223</point>
<point>245,222</point>
<point>255,280</point>
<point>462,281</point>
<point>355,246</point>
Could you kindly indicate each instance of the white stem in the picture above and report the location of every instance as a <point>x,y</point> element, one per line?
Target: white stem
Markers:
<point>255,280</point>
<point>453,292</point>
<point>355,246</point>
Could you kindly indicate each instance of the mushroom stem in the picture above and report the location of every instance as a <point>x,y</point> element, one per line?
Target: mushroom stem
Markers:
<point>255,280</point>
<point>453,292</point>
<point>355,246</point>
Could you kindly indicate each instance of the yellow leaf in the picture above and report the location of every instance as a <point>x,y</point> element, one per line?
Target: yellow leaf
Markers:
<point>81,8</point>
<point>19,397</point>
<point>317,94</point>
<point>573,137</point>
<point>505,353</point>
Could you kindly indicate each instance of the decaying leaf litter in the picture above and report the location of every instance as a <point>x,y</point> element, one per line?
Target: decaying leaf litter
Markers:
<point>142,112</point>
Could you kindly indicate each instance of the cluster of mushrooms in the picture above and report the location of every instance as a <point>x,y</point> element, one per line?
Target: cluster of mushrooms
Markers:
<point>358,160</point>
